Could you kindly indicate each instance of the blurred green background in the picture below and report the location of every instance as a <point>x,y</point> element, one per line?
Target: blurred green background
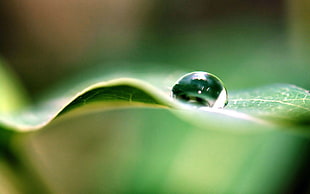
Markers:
<point>245,43</point>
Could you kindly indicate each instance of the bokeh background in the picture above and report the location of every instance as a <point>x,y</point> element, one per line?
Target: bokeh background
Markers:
<point>267,41</point>
<point>246,43</point>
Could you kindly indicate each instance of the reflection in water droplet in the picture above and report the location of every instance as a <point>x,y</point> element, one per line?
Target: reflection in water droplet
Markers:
<point>200,89</point>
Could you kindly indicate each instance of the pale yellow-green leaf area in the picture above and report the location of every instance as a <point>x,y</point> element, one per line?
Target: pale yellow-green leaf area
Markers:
<point>12,96</point>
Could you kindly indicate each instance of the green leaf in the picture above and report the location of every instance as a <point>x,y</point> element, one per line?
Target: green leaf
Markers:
<point>153,142</point>
<point>12,96</point>
<point>280,103</point>
<point>280,106</point>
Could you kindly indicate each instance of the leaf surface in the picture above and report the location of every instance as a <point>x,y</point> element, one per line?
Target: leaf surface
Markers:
<point>274,106</point>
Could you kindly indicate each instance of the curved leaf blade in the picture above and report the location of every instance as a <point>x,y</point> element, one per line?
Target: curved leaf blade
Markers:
<point>265,107</point>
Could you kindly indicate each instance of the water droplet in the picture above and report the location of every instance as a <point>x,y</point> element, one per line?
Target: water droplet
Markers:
<point>200,89</point>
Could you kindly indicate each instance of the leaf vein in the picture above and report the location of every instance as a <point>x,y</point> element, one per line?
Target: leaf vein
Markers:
<point>275,101</point>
